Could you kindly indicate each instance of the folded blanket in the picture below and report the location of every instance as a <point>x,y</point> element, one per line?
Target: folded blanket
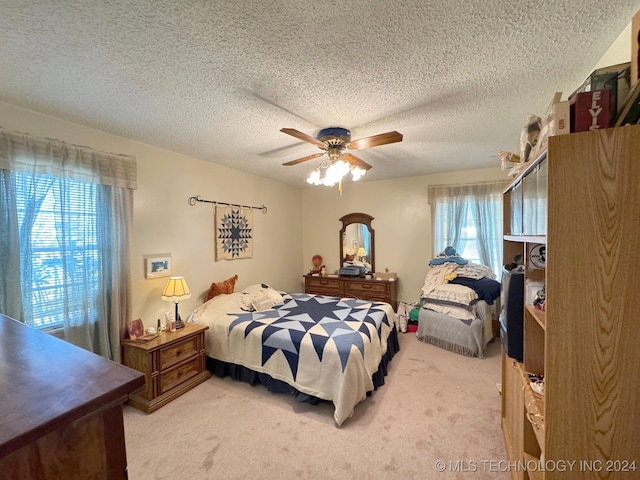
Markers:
<point>486,288</point>
<point>449,255</point>
<point>437,276</point>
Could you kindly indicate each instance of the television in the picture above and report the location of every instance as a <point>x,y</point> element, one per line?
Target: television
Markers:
<point>512,313</point>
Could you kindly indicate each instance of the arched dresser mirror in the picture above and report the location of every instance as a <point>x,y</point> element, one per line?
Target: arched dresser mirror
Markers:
<point>357,240</point>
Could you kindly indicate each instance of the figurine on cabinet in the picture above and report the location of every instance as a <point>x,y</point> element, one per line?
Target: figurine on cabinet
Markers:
<point>318,267</point>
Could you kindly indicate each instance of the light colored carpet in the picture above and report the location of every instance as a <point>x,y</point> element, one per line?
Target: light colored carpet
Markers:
<point>435,406</point>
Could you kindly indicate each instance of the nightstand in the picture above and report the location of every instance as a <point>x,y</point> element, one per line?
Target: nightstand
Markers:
<point>173,363</point>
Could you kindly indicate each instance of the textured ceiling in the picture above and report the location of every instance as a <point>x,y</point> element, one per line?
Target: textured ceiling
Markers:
<point>218,80</point>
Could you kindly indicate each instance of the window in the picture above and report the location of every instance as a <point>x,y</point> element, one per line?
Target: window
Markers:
<point>65,228</point>
<point>469,218</point>
<point>59,248</point>
<point>469,238</point>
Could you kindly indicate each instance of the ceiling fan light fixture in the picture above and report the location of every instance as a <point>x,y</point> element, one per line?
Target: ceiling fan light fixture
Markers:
<point>334,172</point>
<point>337,170</point>
<point>357,173</point>
<point>333,141</point>
<point>314,177</point>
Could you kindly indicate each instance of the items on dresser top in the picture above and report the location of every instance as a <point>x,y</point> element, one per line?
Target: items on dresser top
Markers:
<point>348,270</point>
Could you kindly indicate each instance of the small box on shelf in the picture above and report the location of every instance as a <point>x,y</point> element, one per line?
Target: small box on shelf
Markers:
<point>613,77</point>
<point>561,123</point>
<point>591,111</point>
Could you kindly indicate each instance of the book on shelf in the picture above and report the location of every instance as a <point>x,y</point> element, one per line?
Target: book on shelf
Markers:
<point>591,110</point>
<point>630,113</point>
<point>615,78</point>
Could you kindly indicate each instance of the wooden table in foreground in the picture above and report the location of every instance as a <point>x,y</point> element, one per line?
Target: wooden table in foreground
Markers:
<point>61,408</point>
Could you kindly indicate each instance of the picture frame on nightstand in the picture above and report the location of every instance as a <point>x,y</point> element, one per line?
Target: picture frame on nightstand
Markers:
<point>135,329</point>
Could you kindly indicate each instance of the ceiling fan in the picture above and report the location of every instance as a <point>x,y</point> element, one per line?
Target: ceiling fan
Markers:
<point>334,140</point>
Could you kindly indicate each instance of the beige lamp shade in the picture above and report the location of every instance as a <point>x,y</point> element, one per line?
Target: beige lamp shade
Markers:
<point>176,290</point>
<point>361,252</point>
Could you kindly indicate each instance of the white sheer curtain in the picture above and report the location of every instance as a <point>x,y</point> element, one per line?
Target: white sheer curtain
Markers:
<point>458,210</point>
<point>71,208</point>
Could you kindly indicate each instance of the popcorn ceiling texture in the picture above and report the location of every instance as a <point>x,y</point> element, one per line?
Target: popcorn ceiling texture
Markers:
<point>217,80</point>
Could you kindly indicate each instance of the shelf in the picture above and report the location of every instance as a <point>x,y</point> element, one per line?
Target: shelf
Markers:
<point>557,343</point>
<point>526,170</point>
<point>526,238</point>
<point>538,315</point>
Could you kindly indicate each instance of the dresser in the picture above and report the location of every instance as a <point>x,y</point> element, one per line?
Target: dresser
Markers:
<point>173,363</point>
<point>353,287</point>
<point>61,408</point>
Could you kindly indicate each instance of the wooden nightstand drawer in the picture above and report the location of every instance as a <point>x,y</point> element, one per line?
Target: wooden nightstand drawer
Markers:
<point>176,353</point>
<point>172,378</point>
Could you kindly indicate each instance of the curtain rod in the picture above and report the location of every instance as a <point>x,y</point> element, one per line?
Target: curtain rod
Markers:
<point>196,198</point>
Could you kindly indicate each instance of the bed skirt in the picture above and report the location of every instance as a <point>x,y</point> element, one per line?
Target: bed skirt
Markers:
<point>238,372</point>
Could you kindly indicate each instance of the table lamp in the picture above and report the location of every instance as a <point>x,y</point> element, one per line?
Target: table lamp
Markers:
<point>175,291</point>
<point>361,254</point>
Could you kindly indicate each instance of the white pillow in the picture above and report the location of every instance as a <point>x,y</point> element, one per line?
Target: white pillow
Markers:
<point>259,299</point>
<point>255,288</point>
<point>273,294</point>
<point>453,293</point>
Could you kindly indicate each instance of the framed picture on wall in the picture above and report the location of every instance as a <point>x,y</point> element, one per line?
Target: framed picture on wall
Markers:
<point>157,266</point>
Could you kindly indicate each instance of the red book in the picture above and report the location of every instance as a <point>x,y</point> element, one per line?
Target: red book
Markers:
<point>591,110</point>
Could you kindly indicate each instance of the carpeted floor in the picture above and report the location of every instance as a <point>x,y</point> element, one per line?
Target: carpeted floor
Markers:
<point>436,406</point>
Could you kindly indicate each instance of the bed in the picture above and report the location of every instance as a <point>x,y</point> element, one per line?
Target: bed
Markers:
<point>317,347</point>
<point>458,305</point>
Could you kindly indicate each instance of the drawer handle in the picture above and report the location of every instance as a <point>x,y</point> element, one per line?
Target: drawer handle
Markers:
<point>178,353</point>
<point>364,285</point>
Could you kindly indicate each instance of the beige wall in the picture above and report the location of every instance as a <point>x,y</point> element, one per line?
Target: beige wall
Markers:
<point>300,221</point>
<point>618,52</point>
<point>164,222</point>
<point>402,223</point>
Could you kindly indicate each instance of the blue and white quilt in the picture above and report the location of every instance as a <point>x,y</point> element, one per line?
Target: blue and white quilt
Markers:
<point>323,346</point>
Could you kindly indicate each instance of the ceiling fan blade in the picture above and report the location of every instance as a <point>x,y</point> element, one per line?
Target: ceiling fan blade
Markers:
<point>303,136</point>
<point>355,161</point>
<point>303,159</point>
<point>375,140</point>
